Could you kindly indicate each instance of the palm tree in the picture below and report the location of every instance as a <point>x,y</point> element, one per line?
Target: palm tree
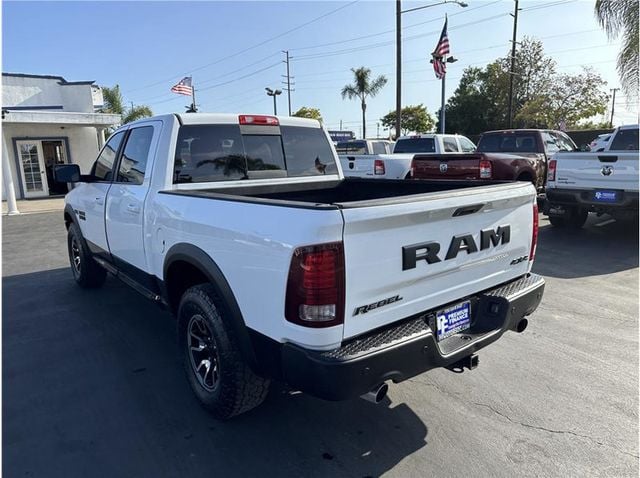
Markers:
<point>114,103</point>
<point>621,16</point>
<point>362,88</point>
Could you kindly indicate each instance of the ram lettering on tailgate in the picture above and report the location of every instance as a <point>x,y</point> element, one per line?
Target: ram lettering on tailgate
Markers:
<point>429,250</point>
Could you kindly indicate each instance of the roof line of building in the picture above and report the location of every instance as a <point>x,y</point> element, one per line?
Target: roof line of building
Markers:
<point>61,80</point>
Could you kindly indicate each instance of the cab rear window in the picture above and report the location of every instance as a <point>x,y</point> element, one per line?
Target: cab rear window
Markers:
<point>206,153</point>
<point>415,145</point>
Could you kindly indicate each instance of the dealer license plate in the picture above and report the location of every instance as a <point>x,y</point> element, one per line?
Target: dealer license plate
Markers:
<point>453,319</point>
<point>605,196</point>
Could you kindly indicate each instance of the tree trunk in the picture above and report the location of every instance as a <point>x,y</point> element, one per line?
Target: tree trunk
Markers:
<point>364,124</point>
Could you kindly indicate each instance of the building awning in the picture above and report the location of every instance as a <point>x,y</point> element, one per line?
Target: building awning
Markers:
<point>60,118</point>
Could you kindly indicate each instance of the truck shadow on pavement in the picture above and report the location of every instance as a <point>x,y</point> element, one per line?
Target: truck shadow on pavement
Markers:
<point>93,387</point>
<point>602,246</point>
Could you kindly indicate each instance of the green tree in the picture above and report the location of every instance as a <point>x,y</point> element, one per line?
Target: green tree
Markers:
<point>363,87</point>
<point>305,112</point>
<point>114,103</point>
<point>569,99</point>
<point>542,97</point>
<point>414,118</point>
<point>620,17</point>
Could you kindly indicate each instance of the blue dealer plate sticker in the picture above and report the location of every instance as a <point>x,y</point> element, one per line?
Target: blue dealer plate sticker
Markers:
<point>605,196</point>
<point>453,319</point>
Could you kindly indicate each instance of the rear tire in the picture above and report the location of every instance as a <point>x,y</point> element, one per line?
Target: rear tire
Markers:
<point>213,362</point>
<point>577,218</point>
<point>86,271</point>
<point>558,221</point>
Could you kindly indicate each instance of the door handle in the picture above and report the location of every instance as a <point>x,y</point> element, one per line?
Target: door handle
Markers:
<point>132,208</point>
<point>100,201</point>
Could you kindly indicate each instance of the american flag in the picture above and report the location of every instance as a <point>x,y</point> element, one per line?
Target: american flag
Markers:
<point>183,87</point>
<point>442,49</point>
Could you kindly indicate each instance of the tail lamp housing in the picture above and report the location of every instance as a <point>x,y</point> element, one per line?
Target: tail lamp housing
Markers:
<point>551,170</point>
<point>378,167</point>
<point>315,287</point>
<point>486,169</point>
<point>534,235</point>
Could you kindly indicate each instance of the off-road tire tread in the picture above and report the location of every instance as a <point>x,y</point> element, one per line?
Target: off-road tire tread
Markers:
<point>92,275</point>
<point>240,390</point>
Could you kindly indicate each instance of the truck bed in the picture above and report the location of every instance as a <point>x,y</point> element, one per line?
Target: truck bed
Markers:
<point>347,193</point>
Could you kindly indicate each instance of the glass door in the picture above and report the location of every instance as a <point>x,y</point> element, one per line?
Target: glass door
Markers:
<point>32,171</point>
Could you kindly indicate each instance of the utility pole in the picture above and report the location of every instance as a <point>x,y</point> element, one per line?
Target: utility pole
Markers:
<point>512,73</point>
<point>340,125</point>
<point>613,105</point>
<point>398,66</point>
<point>288,77</point>
<point>377,130</point>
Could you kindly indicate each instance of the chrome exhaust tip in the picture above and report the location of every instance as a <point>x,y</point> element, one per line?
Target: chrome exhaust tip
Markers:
<point>377,394</point>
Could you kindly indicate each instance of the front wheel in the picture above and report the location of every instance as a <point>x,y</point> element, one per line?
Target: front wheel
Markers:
<point>212,360</point>
<point>86,272</point>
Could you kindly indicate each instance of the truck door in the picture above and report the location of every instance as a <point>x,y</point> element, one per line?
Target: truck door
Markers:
<point>91,210</point>
<point>125,201</point>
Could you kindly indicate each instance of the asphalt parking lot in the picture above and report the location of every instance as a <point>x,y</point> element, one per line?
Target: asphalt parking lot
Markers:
<point>92,385</point>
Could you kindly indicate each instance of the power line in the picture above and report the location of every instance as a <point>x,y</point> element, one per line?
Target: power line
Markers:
<point>263,42</point>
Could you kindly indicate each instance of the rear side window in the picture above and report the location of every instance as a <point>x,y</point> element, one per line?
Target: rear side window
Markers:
<point>625,140</point>
<point>450,145</point>
<point>206,153</point>
<point>415,145</point>
<point>564,142</point>
<point>134,157</point>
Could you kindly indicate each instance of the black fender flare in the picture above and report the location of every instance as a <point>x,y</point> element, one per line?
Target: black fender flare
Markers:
<point>231,316</point>
<point>68,210</point>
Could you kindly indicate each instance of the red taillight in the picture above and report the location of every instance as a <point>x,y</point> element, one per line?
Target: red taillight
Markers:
<point>534,236</point>
<point>315,289</point>
<point>378,167</point>
<point>551,170</point>
<point>259,120</point>
<point>485,169</point>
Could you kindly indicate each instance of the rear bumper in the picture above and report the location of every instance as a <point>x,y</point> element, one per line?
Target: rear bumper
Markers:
<point>584,198</point>
<point>409,348</point>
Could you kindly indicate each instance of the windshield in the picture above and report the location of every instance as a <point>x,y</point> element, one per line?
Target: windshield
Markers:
<point>415,145</point>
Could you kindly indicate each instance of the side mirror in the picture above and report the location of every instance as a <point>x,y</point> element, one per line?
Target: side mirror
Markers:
<point>66,173</point>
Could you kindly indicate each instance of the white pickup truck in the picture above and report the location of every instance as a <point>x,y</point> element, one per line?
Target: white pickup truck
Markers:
<point>398,164</point>
<point>278,268</point>
<point>604,182</point>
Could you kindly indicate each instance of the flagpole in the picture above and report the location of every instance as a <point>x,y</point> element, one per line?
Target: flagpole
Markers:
<point>193,96</point>
<point>442,105</point>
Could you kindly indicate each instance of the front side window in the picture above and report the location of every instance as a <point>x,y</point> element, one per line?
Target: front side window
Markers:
<point>625,140</point>
<point>102,169</point>
<point>551,144</point>
<point>134,157</point>
<point>564,142</point>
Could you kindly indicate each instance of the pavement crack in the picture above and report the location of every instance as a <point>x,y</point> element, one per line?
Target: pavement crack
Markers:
<point>549,430</point>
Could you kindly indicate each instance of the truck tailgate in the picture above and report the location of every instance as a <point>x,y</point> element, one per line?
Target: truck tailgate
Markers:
<point>447,166</point>
<point>605,170</point>
<point>358,165</point>
<point>386,278</point>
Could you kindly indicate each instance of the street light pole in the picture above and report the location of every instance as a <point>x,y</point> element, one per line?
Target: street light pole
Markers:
<point>399,13</point>
<point>273,93</point>
<point>442,104</point>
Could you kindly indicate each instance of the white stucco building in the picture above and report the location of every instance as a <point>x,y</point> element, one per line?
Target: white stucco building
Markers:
<point>47,120</point>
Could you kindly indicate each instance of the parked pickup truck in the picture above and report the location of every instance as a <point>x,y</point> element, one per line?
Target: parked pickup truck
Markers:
<point>513,155</point>
<point>600,182</point>
<point>398,164</point>
<point>278,268</point>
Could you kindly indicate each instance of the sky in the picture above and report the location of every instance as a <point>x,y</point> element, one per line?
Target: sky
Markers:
<point>234,50</point>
